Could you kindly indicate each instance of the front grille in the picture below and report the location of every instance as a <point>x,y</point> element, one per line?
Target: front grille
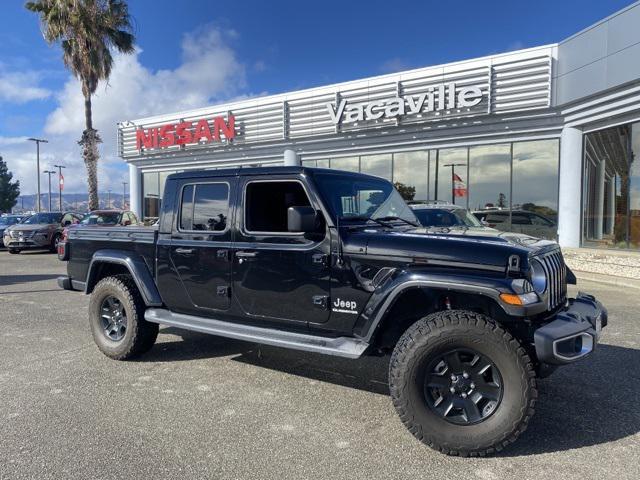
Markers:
<point>16,234</point>
<point>556,272</point>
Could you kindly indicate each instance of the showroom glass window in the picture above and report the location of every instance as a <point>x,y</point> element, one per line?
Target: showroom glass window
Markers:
<point>377,165</point>
<point>152,191</point>
<point>151,195</point>
<point>450,162</point>
<point>350,164</point>
<point>489,176</point>
<point>611,188</point>
<point>535,184</point>
<point>411,173</point>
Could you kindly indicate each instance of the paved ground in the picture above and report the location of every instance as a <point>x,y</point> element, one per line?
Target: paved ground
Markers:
<point>199,406</point>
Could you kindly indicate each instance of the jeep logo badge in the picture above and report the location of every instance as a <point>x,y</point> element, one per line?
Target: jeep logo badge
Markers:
<point>344,306</point>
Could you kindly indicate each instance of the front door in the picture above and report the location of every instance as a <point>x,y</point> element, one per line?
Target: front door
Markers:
<point>200,247</point>
<point>279,275</point>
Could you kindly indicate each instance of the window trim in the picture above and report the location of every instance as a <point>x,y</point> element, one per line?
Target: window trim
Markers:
<point>265,233</point>
<point>201,232</point>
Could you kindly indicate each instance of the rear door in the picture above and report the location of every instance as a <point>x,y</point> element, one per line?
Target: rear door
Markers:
<point>201,242</point>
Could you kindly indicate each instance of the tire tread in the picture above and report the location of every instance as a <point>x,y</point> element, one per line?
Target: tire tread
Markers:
<point>431,328</point>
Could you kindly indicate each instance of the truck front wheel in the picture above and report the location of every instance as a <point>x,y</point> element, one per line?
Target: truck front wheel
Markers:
<point>462,384</point>
<point>116,316</point>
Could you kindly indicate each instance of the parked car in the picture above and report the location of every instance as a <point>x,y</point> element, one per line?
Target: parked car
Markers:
<point>40,231</point>
<point>104,218</point>
<point>335,262</point>
<point>8,220</point>
<point>522,221</point>
<point>446,215</point>
<point>110,218</point>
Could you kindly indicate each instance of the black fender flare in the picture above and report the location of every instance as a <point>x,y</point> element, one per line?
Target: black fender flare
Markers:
<point>137,268</point>
<point>385,296</point>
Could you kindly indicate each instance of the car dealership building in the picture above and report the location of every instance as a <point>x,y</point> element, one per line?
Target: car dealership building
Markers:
<point>553,129</point>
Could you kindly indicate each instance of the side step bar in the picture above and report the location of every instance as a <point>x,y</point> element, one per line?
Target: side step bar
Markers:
<point>341,346</point>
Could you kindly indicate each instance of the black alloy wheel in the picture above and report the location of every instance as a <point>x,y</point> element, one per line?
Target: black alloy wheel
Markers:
<point>113,318</point>
<point>463,387</point>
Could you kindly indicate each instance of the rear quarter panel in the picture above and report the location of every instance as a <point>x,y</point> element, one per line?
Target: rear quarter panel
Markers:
<point>83,242</point>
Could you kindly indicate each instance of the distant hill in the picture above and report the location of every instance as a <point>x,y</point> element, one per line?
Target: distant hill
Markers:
<point>70,201</point>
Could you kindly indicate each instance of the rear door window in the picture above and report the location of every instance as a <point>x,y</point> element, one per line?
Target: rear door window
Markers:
<point>204,207</point>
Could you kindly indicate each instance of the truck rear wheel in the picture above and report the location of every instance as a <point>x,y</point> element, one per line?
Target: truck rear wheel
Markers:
<point>116,317</point>
<point>462,384</point>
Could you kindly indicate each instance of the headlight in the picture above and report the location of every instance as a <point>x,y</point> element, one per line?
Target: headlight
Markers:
<point>538,276</point>
<point>520,299</point>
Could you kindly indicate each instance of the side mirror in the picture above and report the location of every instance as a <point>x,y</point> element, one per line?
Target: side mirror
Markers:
<point>302,219</point>
<point>66,223</point>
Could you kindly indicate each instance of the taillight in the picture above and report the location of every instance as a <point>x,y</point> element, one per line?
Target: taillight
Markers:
<point>65,234</point>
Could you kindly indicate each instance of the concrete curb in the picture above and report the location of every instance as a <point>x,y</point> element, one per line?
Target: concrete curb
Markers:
<point>607,279</point>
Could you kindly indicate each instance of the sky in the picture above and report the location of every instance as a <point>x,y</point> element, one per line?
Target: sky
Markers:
<point>198,53</point>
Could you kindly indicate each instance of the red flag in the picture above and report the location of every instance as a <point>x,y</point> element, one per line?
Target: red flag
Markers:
<point>61,182</point>
<point>459,187</point>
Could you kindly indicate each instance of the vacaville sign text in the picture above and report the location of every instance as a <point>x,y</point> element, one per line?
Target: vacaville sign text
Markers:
<point>185,132</point>
<point>441,97</point>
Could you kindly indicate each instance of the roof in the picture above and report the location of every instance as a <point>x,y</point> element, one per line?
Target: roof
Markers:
<point>272,170</point>
<point>434,206</point>
<point>109,210</point>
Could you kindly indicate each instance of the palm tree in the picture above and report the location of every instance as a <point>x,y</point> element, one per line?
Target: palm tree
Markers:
<point>88,31</point>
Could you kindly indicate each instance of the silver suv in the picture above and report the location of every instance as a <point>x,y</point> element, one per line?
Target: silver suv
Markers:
<point>41,230</point>
<point>446,215</point>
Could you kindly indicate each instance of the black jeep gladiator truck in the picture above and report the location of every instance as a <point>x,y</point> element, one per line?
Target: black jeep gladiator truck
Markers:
<point>335,262</point>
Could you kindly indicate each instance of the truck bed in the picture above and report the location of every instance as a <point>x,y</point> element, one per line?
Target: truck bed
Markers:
<point>83,242</point>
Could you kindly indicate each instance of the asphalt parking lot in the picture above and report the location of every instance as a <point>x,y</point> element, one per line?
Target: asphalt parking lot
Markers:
<point>199,406</point>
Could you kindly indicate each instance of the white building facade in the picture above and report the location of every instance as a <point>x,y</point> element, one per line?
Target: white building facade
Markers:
<point>553,130</point>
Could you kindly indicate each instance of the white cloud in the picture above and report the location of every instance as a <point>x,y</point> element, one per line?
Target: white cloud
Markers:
<point>394,65</point>
<point>21,87</point>
<point>209,72</point>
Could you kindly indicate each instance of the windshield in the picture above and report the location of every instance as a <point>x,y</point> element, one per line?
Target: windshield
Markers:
<point>357,198</point>
<point>8,220</point>
<point>102,218</point>
<point>436,217</point>
<point>43,218</point>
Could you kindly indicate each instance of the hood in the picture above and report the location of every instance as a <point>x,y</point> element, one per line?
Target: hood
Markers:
<point>31,227</point>
<point>469,245</point>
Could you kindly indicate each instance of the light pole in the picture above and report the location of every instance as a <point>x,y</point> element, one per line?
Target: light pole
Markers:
<point>60,184</point>
<point>38,142</point>
<point>109,199</point>
<point>124,194</point>
<point>49,172</point>
<point>453,183</point>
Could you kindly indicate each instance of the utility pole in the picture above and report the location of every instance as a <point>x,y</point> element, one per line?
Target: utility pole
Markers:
<point>49,172</point>
<point>124,194</point>
<point>453,174</point>
<point>38,142</point>
<point>60,184</point>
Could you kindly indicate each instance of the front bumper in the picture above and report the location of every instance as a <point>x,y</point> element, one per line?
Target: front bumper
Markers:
<point>24,243</point>
<point>573,334</point>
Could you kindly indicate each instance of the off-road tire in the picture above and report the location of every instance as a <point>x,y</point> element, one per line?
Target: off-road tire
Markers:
<point>53,248</point>
<point>139,336</point>
<point>14,251</point>
<point>452,329</point>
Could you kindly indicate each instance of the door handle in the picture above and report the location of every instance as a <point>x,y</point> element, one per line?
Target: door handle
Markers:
<point>246,254</point>
<point>184,251</point>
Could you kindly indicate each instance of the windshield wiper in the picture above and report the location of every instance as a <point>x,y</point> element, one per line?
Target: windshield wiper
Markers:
<point>391,217</point>
<point>364,218</point>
